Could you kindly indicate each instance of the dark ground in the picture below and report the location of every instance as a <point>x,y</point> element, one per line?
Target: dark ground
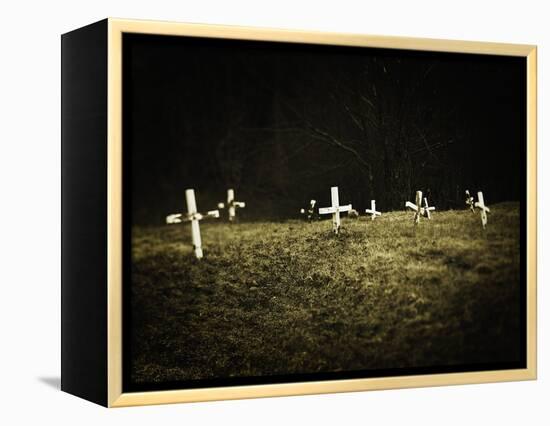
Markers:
<point>283,298</point>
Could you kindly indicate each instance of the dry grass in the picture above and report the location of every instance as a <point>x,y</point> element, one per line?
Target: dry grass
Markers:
<point>284,298</point>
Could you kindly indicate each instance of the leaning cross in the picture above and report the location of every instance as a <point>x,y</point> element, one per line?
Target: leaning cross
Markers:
<point>372,210</point>
<point>335,209</point>
<point>480,204</point>
<point>194,217</point>
<point>232,205</point>
<point>416,207</point>
<point>426,209</point>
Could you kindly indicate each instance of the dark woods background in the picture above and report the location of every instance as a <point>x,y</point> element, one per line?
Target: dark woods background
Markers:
<point>281,123</point>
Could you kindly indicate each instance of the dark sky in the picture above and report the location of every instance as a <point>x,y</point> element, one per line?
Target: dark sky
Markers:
<point>281,123</point>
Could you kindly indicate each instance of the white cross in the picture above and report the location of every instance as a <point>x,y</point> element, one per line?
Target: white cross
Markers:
<point>419,210</point>
<point>416,207</point>
<point>426,209</point>
<point>194,217</point>
<point>470,201</point>
<point>335,209</point>
<point>480,204</point>
<point>232,205</point>
<point>372,210</point>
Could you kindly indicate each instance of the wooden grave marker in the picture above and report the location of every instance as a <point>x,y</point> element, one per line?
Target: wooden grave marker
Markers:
<point>416,207</point>
<point>425,211</point>
<point>372,211</point>
<point>232,205</point>
<point>480,204</point>
<point>194,217</point>
<point>419,209</point>
<point>335,209</point>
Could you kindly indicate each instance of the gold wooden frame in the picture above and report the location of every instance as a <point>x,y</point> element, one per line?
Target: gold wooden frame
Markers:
<point>116,27</point>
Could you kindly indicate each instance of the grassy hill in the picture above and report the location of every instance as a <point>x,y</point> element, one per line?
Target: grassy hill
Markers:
<point>291,297</point>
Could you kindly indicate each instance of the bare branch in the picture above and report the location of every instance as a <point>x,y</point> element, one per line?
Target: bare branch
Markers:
<point>321,134</point>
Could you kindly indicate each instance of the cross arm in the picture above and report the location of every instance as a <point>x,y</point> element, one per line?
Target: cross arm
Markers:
<point>174,218</point>
<point>329,210</point>
<point>411,206</point>
<point>482,207</point>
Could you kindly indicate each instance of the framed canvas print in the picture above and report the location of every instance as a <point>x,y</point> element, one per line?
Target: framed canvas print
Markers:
<point>251,212</point>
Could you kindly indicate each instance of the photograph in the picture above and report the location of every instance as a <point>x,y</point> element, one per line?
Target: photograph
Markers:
<point>299,212</point>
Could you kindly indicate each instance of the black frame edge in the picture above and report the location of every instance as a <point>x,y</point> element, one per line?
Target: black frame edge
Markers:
<point>84,212</point>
